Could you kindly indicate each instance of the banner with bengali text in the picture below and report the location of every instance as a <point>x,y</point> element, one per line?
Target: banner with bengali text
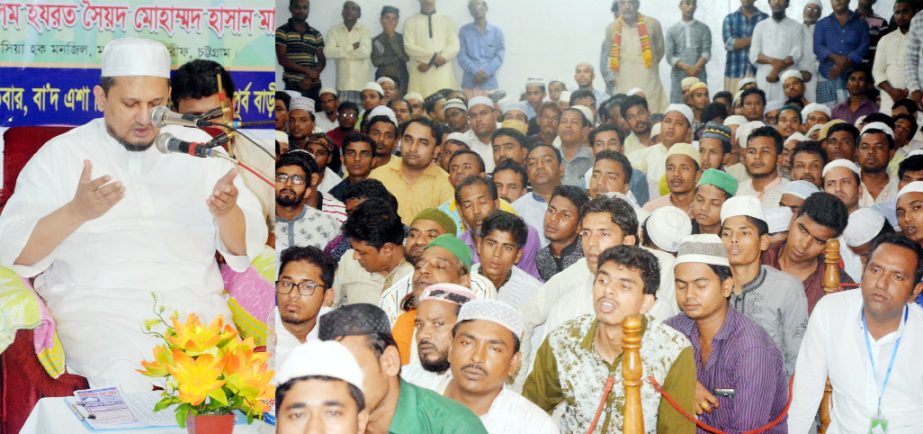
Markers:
<point>50,51</point>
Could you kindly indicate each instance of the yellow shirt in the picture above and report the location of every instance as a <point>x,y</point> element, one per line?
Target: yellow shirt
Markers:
<point>428,191</point>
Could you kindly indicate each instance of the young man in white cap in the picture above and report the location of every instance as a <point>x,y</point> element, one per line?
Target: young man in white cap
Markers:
<point>770,298</point>
<point>867,342</point>
<point>738,367</point>
<point>371,96</point>
<point>876,149</point>
<point>482,51</point>
<point>575,361</point>
<point>841,179</point>
<point>114,220</point>
<point>795,193</point>
<point>909,215</point>
<point>431,42</point>
<point>761,157</point>
<point>484,355</point>
<point>682,173</point>
<point>664,228</point>
<point>349,43</point>
<point>321,389</point>
<point>676,127</point>
<point>814,114</point>
<point>793,83</point>
<point>864,226</point>
<point>515,110</point>
<point>482,118</point>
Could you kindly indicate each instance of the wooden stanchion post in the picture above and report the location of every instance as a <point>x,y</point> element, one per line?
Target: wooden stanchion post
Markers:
<point>832,266</point>
<point>633,418</point>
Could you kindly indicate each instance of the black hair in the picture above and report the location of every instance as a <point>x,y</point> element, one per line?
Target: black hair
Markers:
<point>901,240</point>
<point>426,122</point>
<point>313,256</point>
<point>516,342</point>
<point>604,128</point>
<point>723,95</point>
<point>284,97</point>
<point>347,105</point>
<point>518,169</point>
<point>913,163</point>
<point>849,128</point>
<point>476,180</point>
<point>555,151</point>
<point>796,102</point>
<point>827,210</point>
<point>913,122</point>
<point>636,258</point>
<point>888,137</point>
<point>792,108</point>
<point>367,189</point>
<point>723,273</point>
<point>879,117</point>
<point>753,91</point>
<point>582,93</point>
<point>714,110</point>
<point>300,159</point>
<point>429,103</point>
<point>354,391</point>
<point>505,222</point>
<point>481,167</point>
<point>357,137</point>
<point>199,79</point>
<point>770,132</point>
<point>762,228</point>
<point>576,195</point>
<point>512,133</point>
<point>811,147</point>
<point>620,213</point>
<point>377,119</point>
<point>390,10</point>
<point>631,101</point>
<point>907,103</point>
<point>619,159</point>
<point>374,223</point>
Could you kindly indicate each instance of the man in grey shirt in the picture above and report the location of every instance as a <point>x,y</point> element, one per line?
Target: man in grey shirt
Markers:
<point>688,49</point>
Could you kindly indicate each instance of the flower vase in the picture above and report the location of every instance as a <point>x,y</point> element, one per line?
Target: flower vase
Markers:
<point>210,424</point>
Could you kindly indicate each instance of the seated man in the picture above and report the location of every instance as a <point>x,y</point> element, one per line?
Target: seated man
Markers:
<point>610,138</point>
<point>545,168</point>
<point>425,227</point>
<point>463,164</point>
<point>879,315</point>
<point>296,223</point>
<point>358,156</point>
<point>713,190</point>
<point>761,157</point>
<point>841,179</point>
<point>107,219</point>
<point>394,405</point>
<point>808,161</point>
<point>576,359</point>
<point>715,146</point>
<point>427,364</point>
<point>682,171</point>
<point>485,353</point>
<point>500,248</point>
<point>508,143</point>
<point>731,352</point>
<point>562,227</point>
<point>511,180</point>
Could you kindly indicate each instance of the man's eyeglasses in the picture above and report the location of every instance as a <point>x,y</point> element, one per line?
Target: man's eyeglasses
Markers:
<point>283,178</point>
<point>305,289</point>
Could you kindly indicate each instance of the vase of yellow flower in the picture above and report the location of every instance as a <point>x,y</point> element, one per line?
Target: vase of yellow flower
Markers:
<point>208,371</point>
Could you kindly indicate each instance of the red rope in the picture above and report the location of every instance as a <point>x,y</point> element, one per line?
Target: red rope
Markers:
<point>602,402</point>
<point>255,173</point>
<point>712,429</point>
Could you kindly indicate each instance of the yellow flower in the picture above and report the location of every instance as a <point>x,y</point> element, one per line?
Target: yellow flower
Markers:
<point>195,338</point>
<point>248,376</point>
<point>158,367</point>
<point>198,377</point>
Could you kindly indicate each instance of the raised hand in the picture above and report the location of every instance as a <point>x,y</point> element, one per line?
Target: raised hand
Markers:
<point>94,197</point>
<point>224,195</point>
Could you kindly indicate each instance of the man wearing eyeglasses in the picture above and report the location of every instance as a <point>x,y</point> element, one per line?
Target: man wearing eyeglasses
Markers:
<point>296,223</point>
<point>302,291</point>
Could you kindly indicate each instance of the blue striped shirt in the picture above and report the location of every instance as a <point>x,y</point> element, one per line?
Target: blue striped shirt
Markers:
<point>735,26</point>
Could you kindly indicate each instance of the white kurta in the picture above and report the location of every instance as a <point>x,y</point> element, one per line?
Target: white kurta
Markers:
<point>632,72</point>
<point>353,64</point>
<point>159,238</point>
<point>776,39</point>
<point>284,341</point>
<point>421,46</point>
<point>889,65</point>
<point>485,150</point>
<point>511,413</point>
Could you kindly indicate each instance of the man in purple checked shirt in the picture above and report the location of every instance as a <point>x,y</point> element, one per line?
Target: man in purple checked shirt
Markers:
<point>741,382</point>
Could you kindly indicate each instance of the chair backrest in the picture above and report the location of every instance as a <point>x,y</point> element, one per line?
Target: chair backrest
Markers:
<point>19,144</point>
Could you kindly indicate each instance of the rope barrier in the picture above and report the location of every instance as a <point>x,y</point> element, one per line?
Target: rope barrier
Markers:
<point>602,402</point>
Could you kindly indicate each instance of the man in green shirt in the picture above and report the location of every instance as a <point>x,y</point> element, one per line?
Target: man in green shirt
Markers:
<point>394,406</point>
<point>574,362</point>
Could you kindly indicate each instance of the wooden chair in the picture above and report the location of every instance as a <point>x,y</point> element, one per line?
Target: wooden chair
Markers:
<point>831,285</point>
<point>633,419</point>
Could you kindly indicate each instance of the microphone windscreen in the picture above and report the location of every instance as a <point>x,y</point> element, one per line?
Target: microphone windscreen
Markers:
<point>163,142</point>
<point>157,115</point>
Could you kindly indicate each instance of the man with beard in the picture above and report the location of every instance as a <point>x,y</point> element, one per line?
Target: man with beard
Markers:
<point>793,85</point>
<point>114,220</point>
<point>415,180</point>
<point>561,227</point>
<point>634,110</point>
<point>329,101</point>
<point>876,149</point>
<point>425,227</point>
<point>485,353</point>
<point>636,46</point>
<point>548,115</point>
<point>358,155</point>
<point>584,76</point>
<point>842,179</point>
<point>303,291</point>
<point>296,223</point>
<point>431,330</point>
<point>456,115</point>
<point>761,156</point>
<point>889,61</point>
<point>300,51</point>
<point>776,46</point>
<point>483,121</point>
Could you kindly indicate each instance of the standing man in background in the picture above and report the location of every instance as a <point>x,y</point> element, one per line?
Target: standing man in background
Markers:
<point>688,49</point>
<point>737,31</point>
<point>350,44</point>
<point>636,49</point>
<point>300,51</point>
<point>388,50</point>
<point>431,42</point>
<point>482,52</point>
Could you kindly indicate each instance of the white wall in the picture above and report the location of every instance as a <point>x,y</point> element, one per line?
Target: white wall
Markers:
<point>549,37</point>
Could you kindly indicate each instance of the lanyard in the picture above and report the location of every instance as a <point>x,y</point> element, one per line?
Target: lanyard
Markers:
<point>868,346</point>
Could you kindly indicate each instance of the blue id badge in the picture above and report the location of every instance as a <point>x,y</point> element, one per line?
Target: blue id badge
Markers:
<point>878,425</point>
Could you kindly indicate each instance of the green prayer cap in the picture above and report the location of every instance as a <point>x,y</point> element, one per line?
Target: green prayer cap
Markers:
<point>719,179</point>
<point>457,247</point>
<point>439,217</point>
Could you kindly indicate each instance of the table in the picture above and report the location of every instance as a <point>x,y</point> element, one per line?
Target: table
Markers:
<point>53,416</point>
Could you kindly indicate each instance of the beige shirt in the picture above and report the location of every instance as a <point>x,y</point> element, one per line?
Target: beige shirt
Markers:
<point>352,284</point>
<point>353,64</point>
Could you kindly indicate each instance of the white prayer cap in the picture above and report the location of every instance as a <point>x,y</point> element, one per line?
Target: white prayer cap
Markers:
<point>859,121</point>
<point>815,107</point>
<point>374,86</point>
<point>511,106</point>
<point>743,132</point>
<point>634,91</point>
<point>815,2</point>
<point>383,110</point>
<point>913,187</point>
<point>744,82</point>
<point>864,224</point>
<point>816,127</point>
<point>301,103</point>
<point>687,82</point>
<point>494,311</point>
<point>667,226</point>
<point>535,80</point>
<point>742,205</point>
<point>584,110</point>
<point>796,136</point>
<point>447,292</point>
<point>914,153</point>
<point>294,93</point>
<point>841,162</point>
<point>480,100</point>
<point>456,136</point>
<point>557,80</point>
<point>128,57</point>
<point>655,130</point>
<point>878,126</point>
<point>702,249</point>
<point>413,96</point>
<point>778,219</point>
<point>734,120</point>
<point>791,73</point>
<point>682,109</point>
<point>321,358</point>
<point>684,149</point>
<point>329,90</point>
<point>455,103</point>
<point>385,79</point>
<point>774,105</point>
<point>565,96</point>
<point>800,189</point>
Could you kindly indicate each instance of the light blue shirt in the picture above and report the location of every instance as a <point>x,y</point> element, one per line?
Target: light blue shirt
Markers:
<point>480,52</point>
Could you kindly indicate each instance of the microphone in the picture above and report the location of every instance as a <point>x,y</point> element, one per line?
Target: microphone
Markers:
<point>162,116</point>
<point>239,124</point>
<point>166,144</point>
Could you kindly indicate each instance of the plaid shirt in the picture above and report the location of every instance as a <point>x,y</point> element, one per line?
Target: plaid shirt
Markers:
<point>735,26</point>
<point>912,67</point>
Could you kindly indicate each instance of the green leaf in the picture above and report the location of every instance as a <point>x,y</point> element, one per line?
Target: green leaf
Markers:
<point>181,414</point>
<point>164,403</point>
